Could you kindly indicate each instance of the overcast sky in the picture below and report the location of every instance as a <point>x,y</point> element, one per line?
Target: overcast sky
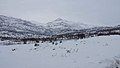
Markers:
<point>101,12</point>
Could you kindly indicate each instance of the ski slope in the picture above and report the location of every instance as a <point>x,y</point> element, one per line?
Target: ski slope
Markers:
<point>92,52</point>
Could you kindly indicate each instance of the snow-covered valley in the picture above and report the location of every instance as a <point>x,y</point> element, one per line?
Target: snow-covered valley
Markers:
<point>94,52</point>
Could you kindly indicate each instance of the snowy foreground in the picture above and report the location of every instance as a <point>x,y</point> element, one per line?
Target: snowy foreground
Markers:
<point>96,52</point>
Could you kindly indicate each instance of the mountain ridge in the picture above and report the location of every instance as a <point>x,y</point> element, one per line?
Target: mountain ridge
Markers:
<point>14,26</point>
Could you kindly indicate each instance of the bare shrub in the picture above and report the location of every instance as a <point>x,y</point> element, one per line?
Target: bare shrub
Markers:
<point>115,63</point>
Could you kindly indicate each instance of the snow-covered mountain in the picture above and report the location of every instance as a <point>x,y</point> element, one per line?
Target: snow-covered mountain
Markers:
<point>62,23</point>
<point>10,26</point>
<point>15,27</point>
<point>61,26</point>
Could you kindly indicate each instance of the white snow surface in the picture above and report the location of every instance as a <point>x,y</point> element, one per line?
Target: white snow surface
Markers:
<point>83,53</point>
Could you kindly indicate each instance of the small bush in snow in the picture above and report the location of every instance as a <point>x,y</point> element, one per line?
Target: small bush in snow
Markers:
<point>56,43</point>
<point>13,49</point>
<point>60,41</point>
<point>115,63</point>
<point>36,44</point>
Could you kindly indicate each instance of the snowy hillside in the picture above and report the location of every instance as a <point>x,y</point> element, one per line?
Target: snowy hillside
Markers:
<point>95,52</point>
<point>10,26</point>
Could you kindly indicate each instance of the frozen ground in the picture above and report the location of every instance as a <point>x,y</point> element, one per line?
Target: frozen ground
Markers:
<point>84,53</point>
